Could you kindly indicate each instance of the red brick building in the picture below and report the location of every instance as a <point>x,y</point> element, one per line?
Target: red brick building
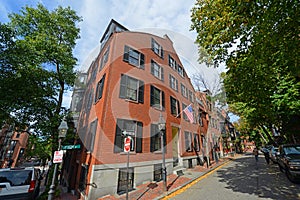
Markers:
<point>12,146</point>
<point>135,78</point>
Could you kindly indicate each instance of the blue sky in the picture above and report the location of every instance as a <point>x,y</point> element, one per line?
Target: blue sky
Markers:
<point>158,17</point>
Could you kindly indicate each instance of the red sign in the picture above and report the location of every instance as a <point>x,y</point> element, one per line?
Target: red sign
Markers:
<point>58,156</point>
<point>127,142</point>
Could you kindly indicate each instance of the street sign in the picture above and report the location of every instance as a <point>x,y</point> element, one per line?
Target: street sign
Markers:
<point>126,133</point>
<point>58,156</point>
<point>67,147</point>
<point>127,142</point>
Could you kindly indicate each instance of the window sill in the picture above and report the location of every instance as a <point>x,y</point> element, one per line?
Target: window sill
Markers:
<point>158,108</point>
<point>132,101</point>
<point>130,153</point>
<point>157,152</point>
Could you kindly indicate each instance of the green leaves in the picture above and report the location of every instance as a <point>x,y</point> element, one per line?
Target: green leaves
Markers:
<point>259,42</point>
<point>37,66</point>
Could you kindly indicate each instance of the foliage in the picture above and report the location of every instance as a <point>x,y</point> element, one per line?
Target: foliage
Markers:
<point>37,66</point>
<point>259,42</point>
<point>38,147</point>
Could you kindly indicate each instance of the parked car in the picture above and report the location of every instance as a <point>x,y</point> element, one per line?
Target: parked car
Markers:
<point>288,158</point>
<point>273,154</point>
<point>19,183</point>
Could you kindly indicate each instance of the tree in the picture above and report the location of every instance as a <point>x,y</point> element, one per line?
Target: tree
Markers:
<point>37,67</point>
<point>259,42</point>
<point>215,87</point>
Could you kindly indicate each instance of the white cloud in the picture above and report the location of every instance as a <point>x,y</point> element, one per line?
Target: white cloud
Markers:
<point>158,17</point>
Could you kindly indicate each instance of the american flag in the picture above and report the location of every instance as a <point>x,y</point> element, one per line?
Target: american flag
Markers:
<point>189,113</point>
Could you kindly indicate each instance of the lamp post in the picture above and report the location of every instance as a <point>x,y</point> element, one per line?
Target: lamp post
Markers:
<point>162,129</point>
<point>62,131</point>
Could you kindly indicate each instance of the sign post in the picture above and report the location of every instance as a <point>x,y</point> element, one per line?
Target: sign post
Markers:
<point>127,142</point>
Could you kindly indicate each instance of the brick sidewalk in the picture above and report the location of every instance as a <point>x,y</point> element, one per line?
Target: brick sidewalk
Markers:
<point>174,182</point>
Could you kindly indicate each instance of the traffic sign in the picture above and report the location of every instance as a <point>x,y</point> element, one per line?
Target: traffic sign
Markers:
<point>58,156</point>
<point>67,147</point>
<point>127,142</point>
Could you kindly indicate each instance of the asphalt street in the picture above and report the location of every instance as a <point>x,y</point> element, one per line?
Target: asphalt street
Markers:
<point>245,179</point>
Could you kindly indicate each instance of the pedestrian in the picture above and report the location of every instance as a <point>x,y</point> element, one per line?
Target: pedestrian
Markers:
<point>267,156</point>
<point>255,153</point>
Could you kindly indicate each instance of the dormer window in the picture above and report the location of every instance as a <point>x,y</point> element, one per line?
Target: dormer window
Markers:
<point>157,48</point>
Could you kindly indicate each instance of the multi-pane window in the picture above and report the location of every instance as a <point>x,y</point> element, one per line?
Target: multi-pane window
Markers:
<point>155,143</point>
<point>191,96</point>
<point>173,82</point>
<point>184,115</point>
<point>200,117</point>
<point>196,142</point>
<point>157,70</point>
<point>134,57</point>
<point>92,135</point>
<point>123,184</point>
<point>99,89</point>
<point>157,98</point>
<point>172,62</point>
<point>184,90</point>
<point>104,59</point>
<point>90,99</point>
<point>180,70</point>
<point>131,88</point>
<point>131,128</point>
<point>188,141</point>
<point>175,108</point>
<point>157,173</point>
<point>157,48</point>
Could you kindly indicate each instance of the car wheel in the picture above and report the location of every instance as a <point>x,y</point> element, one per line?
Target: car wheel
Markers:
<point>290,176</point>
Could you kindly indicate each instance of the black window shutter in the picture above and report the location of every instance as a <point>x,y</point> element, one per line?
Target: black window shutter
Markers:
<point>162,73</point>
<point>126,53</point>
<point>178,108</point>
<point>152,67</point>
<point>139,137</point>
<point>162,99</point>
<point>97,91</point>
<point>101,86</point>
<point>152,44</point>
<point>142,61</point>
<point>151,95</point>
<point>152,139</point>
<point>118,137</point>
<point>162,52</point>
<point>123,85</point>
<point>141,92</point>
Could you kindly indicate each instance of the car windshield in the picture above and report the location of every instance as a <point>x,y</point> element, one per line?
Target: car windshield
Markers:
<point>292,150</point>
<point>16,178</point>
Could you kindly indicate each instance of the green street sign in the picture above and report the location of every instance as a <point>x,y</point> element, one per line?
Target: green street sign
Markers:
<point>67,147</point>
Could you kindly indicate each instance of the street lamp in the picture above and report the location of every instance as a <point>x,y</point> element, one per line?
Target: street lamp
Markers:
<point>62,131</point>
<point>162,129</point>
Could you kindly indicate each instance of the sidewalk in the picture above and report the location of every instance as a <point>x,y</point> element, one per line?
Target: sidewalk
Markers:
<point>154,190</point>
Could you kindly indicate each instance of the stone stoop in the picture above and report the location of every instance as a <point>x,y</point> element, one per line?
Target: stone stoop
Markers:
<point>179,170</point>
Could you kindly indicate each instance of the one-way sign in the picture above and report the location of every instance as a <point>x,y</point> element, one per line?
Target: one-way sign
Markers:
<point>67,147</point>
